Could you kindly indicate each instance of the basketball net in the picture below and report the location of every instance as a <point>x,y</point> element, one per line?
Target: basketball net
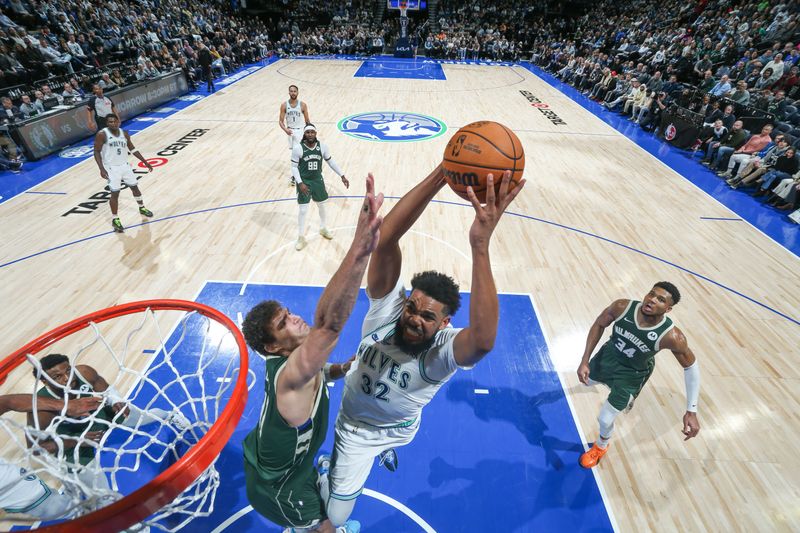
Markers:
<point>173,402</point>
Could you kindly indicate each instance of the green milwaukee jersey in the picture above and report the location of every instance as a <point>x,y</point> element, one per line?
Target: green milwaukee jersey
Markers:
<point>70,429</point>
<point>632,345</point>
<point>310,165</point>
<point>283,455</point>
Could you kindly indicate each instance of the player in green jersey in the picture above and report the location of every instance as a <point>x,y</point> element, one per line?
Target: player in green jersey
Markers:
<point>282,482</point>
<point>626,361</point>
<point>21,490</point>
<point>77,442</point>
<point>307,158</point>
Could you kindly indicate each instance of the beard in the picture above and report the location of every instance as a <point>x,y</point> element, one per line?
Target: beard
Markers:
<point>410,347</point>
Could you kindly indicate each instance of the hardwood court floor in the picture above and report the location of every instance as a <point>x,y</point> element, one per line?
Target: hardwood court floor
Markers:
<point>600,219</point>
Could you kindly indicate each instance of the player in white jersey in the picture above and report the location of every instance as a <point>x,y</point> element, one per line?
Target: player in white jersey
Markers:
<point>408,348</point>
<point>295,115</point>
<point>111,147</point>
<point>22,491</point>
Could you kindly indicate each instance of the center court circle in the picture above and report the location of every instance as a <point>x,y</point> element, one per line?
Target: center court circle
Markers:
<point>391,126</point>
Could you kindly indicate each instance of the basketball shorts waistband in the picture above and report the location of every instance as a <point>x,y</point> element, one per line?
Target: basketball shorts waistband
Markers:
<point>357,422</point>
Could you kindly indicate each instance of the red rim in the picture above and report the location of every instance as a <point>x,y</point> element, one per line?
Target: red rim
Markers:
<point>148,499</point>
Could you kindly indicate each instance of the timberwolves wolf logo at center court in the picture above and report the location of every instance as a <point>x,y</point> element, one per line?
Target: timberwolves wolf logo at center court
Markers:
<point>391,126</point>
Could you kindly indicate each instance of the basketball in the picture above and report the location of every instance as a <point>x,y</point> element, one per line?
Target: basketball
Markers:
<point>480,149</point>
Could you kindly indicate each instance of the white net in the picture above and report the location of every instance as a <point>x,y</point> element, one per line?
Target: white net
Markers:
<point>177,385</point>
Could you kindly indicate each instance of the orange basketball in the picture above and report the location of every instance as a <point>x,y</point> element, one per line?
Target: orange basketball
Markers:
<point>479,149</point>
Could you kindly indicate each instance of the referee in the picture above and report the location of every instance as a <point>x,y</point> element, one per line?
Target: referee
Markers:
<point>99,108</point>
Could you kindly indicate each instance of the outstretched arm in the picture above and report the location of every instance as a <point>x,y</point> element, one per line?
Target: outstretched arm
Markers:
<point>606,318</point>
<point>384,267</point>
<point>676,342</point>
<point>333,310</point>
<point>23,403</point>
<point>474,342</point>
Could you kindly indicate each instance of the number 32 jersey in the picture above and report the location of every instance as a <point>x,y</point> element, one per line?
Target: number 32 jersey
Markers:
<point>387,387</point>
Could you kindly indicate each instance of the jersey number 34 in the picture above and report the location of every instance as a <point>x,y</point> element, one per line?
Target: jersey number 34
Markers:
<point>630,352</point>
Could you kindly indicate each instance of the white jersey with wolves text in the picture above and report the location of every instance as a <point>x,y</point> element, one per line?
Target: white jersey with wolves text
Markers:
<point>115,149</point>
<point>387,387</point>
<point>294,116</point>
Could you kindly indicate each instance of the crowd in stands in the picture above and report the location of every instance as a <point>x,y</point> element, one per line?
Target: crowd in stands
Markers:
<point>53,51</point>
<point>719,59</point>
<point>343,28</point>
<point>482,30</point>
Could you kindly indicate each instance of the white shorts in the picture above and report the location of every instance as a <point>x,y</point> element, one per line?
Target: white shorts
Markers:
<point>295,137</point>
<point>118,174</point>
<point>355,448</point>
<point>24,492</point>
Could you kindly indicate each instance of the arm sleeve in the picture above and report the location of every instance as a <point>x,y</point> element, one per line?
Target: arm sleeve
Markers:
<point>297,153</point>
<point>691,376</point>
<point>326,155</point>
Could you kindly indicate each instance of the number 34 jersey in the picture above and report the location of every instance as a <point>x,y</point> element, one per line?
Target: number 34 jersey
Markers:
<point>634,346</point>
<point>387,387</point>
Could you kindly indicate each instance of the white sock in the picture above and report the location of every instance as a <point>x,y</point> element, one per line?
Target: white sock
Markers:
<point>323,219</point>
<point>606,419</point>
<point>324,487</point>
<point>301,219</point>
<point>139,200</point>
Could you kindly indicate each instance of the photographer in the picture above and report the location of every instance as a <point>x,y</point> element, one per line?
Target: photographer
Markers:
<point>650,118</point>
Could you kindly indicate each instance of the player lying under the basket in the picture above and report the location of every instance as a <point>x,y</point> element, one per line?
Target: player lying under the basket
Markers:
<point>78,443</point>
<point>22,491</point>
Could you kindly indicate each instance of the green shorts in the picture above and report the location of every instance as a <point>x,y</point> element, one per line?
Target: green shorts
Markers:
<point>316,188</point>
<point>296,503</point>
<point>625,382</point>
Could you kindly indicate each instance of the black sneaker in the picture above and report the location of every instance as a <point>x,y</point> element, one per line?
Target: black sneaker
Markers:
<point>145,212</point>
<point>117,225</point>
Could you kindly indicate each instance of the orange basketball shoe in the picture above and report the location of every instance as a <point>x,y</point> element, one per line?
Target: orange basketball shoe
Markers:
<point>593,456</point>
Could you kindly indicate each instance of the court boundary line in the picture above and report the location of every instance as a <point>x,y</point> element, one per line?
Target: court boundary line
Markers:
<point>575,420</point>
